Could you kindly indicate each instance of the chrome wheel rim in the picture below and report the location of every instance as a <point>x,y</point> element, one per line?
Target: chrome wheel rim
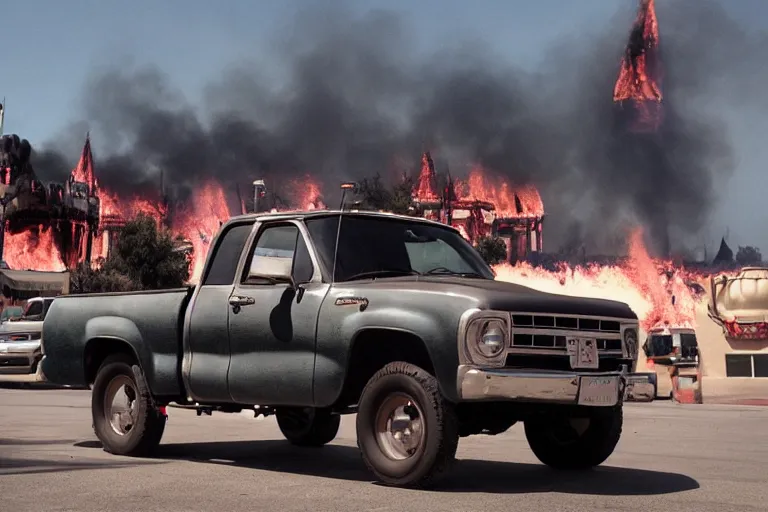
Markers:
<point>399,427</point>
<point>120,404</point>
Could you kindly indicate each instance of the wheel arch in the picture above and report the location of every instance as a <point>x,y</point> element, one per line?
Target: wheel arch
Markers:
<point>99,348</point>
<point>372,348</point>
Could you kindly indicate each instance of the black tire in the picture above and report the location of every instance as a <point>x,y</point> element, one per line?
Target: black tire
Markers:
<point>148,422</point>
<point>307,426</point>
<point>436,448</point>
<point>559,444</point>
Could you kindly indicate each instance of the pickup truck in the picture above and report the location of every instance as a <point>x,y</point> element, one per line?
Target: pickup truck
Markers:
<point>312,315</point>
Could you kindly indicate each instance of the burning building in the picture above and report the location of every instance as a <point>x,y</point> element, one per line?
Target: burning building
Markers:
<point>480,207</point>
<point>56,226</point>
<point>638,86</point>
<point>57,215</point>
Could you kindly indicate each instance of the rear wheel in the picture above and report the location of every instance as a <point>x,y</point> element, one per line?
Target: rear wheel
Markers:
<point>125,418</point>
<point>307,426</point>
<point>582,442</point>
<point>406,430</point>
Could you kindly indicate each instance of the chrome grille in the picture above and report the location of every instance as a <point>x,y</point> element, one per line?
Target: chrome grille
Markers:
<point>543,333</point>
<point>571,323</point>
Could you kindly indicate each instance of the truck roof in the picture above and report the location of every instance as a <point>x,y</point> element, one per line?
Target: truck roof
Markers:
<point>308,214</point>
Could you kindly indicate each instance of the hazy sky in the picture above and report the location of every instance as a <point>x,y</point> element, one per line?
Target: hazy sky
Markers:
<point>51,46</point>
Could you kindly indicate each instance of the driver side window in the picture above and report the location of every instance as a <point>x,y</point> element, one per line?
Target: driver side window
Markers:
<point>279,253</point>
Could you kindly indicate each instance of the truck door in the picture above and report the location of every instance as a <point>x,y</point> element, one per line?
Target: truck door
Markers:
<point>206,350</point>
<point>273,322</point>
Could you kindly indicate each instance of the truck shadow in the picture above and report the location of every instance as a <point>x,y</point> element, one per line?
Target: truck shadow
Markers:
<point>344,462</point>
<point>15,465</point>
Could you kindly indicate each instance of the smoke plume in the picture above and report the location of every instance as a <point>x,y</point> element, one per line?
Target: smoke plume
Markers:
<point>351,98</point>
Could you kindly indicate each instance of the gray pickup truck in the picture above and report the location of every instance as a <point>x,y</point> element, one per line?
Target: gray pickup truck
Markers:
<point>312,315</point>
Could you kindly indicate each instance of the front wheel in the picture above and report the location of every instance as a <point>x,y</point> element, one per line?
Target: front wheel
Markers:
<point>406,430</point>
<point>307,426</point>
<point>582,442</point>
<point>125,418</point>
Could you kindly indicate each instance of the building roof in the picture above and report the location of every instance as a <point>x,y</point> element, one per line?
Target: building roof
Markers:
<point>31,280</point>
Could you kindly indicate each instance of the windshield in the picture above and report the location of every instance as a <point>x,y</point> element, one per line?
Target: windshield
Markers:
<point>660,345</point>
<point>382,247</point>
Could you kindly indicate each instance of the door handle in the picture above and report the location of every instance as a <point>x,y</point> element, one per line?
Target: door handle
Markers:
<point>239,300</point>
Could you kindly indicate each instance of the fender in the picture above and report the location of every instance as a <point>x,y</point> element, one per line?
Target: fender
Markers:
<point>124,330</point>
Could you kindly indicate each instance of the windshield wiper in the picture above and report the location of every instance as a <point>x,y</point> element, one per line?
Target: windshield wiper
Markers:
<point>448,272</point>
<point>395,272</point>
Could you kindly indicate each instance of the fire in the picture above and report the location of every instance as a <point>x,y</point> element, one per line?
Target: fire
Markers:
<point>200,221</point>
<point>639,80</point>
<point>114,207</point>
<point>33,249</point>
<point>510,202</point>
<point>424,190</point>
<point>307,194</point>
<point>656,292</point>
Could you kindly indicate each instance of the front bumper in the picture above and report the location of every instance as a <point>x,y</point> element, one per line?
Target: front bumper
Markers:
<point>603,389</point>
<point>19,360</point>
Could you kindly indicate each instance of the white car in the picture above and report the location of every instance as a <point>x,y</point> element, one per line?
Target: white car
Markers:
<point>20,339</point>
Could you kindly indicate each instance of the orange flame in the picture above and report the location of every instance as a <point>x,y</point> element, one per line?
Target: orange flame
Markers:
<point>639,79</point>
<point>307,194</point>
<point>424,190</point>
<point>200,222</point>
<point>510,202</point>
<point>32,249</point>
<point>656,292</point>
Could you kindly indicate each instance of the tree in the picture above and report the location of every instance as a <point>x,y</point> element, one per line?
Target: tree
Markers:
<point>149,256</point>
<point>144,258</point>
<point>749,255</point>
<point>85,279</point>
<point>492,249</point>
<point>375,195</point>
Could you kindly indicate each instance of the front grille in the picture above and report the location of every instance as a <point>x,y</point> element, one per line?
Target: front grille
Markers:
<point>566,323</point>
<point>553,341</point>
<point>562,363</point>
<point>532,333</point>
<point>11,361</point>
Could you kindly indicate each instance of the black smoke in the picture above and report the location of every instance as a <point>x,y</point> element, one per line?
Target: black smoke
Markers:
<point>354,98</point>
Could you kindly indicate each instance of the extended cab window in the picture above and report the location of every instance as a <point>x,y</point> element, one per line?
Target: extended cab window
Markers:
<point>279,252</point>
<point>227,254</point>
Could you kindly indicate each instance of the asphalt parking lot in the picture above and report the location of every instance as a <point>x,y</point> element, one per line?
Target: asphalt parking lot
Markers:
<point>671,458</point>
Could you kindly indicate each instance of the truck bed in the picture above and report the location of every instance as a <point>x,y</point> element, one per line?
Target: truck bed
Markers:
<point>147,323</point>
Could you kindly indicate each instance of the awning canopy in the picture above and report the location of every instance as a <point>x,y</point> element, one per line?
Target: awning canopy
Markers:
<point>48,283</point>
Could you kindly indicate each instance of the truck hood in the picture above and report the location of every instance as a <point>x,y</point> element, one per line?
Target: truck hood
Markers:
<point>500,295</point>
<point>21,326</point>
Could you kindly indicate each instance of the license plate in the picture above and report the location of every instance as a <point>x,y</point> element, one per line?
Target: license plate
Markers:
<point>685,382</point>
<point>599,391</point>
<point>583,353</point>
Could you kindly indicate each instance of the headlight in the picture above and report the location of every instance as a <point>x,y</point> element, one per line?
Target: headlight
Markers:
<point>492,338</point>
<point>486,341</point>
<point>630,342</point>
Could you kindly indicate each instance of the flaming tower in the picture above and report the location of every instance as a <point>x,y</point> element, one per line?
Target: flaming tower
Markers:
<point>638,87</point>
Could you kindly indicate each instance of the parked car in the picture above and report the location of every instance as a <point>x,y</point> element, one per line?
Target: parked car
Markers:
<point>311,315</point>
<point>20,351</point>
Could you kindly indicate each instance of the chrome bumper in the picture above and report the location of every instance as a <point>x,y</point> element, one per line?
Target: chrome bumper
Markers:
<point>36,377</point>
<point>555,387</point>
